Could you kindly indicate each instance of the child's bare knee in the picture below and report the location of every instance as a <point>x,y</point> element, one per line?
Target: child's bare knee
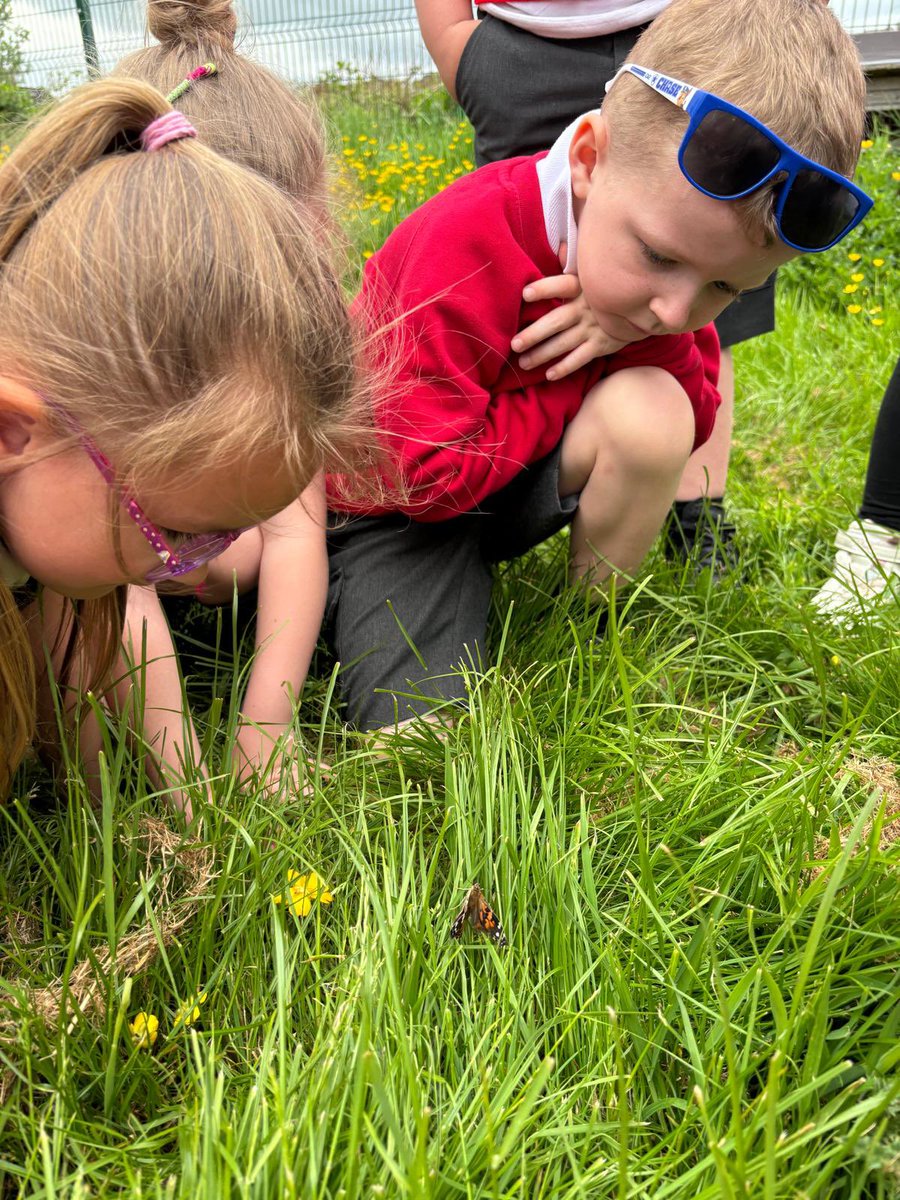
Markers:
<point>648,418</point>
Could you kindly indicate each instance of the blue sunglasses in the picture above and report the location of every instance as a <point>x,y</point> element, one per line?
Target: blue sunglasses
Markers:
<point>725,153</point>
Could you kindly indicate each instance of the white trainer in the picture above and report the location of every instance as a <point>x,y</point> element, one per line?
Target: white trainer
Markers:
<point>866,566</point>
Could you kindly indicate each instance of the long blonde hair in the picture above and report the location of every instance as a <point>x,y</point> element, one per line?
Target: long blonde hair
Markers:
<point>180,307</point>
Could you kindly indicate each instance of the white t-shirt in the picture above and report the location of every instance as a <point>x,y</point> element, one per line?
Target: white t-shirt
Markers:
<point>576,18</point>
<point>555,181</point>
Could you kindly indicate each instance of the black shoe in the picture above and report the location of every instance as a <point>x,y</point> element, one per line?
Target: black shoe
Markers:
<point>699,533</point>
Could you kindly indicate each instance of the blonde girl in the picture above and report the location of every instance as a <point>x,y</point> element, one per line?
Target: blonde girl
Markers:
<point>252,117</point>
<point>176,364</point>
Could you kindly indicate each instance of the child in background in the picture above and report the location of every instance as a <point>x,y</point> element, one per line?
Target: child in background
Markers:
<point>865,580</point>
<point>669,204</point>
<point>521,74</point>
<point>161,387</point>
<point>250,116</point>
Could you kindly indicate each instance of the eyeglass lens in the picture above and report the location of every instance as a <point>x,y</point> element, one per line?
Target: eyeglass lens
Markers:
<point>726,156</point>
<point>817,210</point>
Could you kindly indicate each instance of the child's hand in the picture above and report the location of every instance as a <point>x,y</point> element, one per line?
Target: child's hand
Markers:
<point>279,764</point>
<point>569,332</point>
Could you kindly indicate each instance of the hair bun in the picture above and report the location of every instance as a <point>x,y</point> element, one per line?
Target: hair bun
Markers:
<point>192,23</point>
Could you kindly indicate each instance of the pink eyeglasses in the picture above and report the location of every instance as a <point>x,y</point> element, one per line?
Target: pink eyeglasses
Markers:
<point>195,551</point>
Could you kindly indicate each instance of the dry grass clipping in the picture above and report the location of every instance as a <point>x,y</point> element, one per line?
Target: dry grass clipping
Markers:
<point>183,873</point>
<point>878,773</point>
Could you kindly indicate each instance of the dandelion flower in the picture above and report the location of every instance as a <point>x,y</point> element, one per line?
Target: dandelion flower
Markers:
<point>302,891</point>
<point>144,1029</point>
<point>850,288</point>
<point>189,1012</point>
<point>854,308</point>
<point>877,262</point>
<point>857,278</point>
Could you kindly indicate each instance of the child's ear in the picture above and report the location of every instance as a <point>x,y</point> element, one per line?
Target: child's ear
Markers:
<point>20,413</point>
<point>588,147</point>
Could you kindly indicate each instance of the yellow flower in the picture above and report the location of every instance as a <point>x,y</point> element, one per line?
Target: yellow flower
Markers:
<point>144,1029</point>
<point>189,1012</point>
<point>874,311</point>
<point>877,262</point>
<point>849,288</point>
<point>368,253</point>
<point>854,308</point>
<point>866,144</point>
<point>857,278</point>
<point>877,320</point>
<point>895,175</point>
<point>854,257</point>
<point>302,890</point>
<point>835,660</point>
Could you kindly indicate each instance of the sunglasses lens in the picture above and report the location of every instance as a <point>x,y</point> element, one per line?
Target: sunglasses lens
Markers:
<point>726,156</point>
<point>817,210</point>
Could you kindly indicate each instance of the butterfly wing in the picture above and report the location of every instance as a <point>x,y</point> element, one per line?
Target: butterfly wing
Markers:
<point>467,912</point>
<point>487,922</point>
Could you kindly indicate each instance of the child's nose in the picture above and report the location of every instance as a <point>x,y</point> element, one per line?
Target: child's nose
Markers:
<point>673,310</point>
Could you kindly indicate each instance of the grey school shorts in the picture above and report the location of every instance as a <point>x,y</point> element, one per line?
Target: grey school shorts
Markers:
<point>408,601</point>
<point>520,91</point>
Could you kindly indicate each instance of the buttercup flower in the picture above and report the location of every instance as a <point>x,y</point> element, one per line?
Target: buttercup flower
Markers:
<point>895,175</point>
<point>866,144</point>
<point>849,288</point>
<point>857,278</point>
<point>877,320</point>
<point>877,262</point>
<point>189,1012</point>
<point>302,891</point>
<point>854,308</point>
<point>854,257</point>
<point>144,1029</point>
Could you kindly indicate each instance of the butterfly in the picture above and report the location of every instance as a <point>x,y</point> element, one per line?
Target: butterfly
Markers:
<point>480,916</point>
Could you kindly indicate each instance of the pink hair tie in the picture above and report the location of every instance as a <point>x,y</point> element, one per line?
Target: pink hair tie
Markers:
<point>170,127</point>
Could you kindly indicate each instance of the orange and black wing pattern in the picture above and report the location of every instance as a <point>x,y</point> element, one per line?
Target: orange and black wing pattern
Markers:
<point>479,914</point>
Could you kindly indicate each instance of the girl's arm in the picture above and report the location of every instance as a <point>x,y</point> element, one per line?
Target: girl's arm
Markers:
<point>446,26</point>
<point>293,585</point>
<point>146,684</point>
<point>150,681</point>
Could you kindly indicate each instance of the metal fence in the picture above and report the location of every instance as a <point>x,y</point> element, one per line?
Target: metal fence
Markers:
<point>375,37</point>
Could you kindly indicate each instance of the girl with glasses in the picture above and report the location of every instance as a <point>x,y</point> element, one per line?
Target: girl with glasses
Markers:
<point>176,364</point>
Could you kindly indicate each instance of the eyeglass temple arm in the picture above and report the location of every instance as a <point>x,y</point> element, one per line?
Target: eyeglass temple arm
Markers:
<point>673,90</point>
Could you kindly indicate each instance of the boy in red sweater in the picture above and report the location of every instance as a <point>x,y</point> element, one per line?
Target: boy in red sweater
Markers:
<point>667,204</point>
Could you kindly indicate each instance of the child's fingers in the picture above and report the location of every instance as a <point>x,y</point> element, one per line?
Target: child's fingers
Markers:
<point>552,347</point>
<point>579,357</point>
<point>552,287</point>
<point>549,325</point>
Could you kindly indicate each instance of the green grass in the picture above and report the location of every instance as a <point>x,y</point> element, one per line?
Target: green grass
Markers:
<point>690,1005</point>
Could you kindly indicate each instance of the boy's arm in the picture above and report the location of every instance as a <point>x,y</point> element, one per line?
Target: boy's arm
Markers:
<point>446,26</point>
<point>293,583</point>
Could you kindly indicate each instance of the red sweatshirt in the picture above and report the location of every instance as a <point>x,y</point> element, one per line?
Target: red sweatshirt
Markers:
<point>463,418</point>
